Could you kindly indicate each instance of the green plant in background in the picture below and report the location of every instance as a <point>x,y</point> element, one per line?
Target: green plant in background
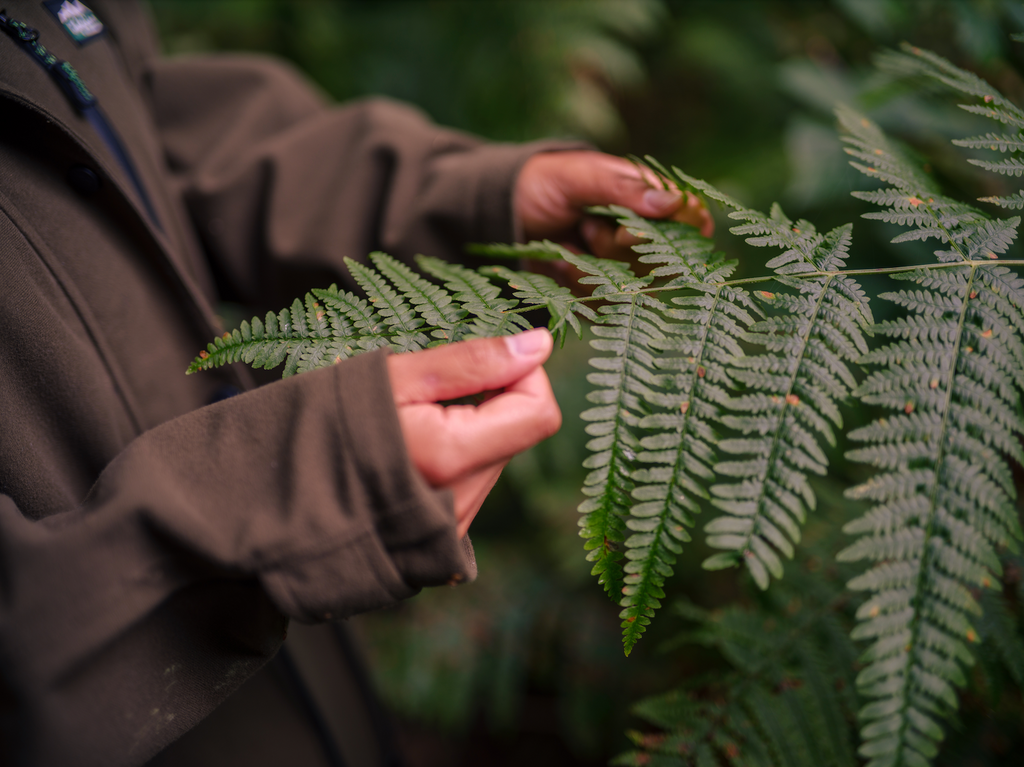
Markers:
<point>507,70</point>
<point>714,395</point>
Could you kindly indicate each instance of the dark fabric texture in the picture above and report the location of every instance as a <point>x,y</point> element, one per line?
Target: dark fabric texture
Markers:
<point>153,547</point>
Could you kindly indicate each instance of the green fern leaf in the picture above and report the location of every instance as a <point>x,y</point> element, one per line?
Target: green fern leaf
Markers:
<point>994,142</point>
<point>402,308</point>
<point>944,503</point>
<point>626,327</point>
<point>994,106</point>
<point>353,321</point>
<point>432,303</point>
<point>540,250</point>
<point>676,357</point>
<point>681,251</point>
<point>406,335</point>
<point>540,290</point>
<point>792,393</point>
<point>1014,201</point>
<point>1009,167</point>
<point>678,451</point>
<point>479,297</point>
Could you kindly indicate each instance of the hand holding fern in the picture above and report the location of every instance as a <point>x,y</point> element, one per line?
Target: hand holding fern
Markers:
<point>463,448</point>
<point>554,189</point>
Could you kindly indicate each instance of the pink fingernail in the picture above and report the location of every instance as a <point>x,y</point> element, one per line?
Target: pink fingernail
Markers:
<point>527,344</point>
<point>659,199</point>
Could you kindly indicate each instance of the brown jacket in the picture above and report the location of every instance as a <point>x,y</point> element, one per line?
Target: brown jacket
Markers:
<point>153,547</point>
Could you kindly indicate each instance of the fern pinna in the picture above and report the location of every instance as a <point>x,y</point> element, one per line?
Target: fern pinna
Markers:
<point>793,390</point>
<point>724,395</point>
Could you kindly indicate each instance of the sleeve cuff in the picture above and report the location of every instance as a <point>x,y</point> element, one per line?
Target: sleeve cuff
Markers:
<point>410,539</point>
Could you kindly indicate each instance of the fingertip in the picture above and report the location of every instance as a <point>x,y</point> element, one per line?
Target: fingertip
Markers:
<point>659,203</point>
<point>531,343</point>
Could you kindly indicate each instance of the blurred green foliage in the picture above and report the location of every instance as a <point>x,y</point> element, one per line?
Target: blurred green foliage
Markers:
<point>738,92</point>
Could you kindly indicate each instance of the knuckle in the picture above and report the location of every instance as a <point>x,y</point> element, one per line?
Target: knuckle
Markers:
<point>481,354</point>
<point>549,418</point>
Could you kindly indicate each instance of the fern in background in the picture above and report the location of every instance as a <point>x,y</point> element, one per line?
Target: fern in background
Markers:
<point>788,696</point>
<point>723,396</point>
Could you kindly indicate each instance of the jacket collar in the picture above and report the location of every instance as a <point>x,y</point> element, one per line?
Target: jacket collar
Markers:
<point>25,83</point>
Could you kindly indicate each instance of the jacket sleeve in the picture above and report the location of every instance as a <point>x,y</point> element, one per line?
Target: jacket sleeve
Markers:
<point>278,182</point>
<point>264,487</point>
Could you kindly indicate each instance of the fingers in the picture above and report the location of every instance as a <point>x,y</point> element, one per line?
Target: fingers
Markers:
<point>607,240</point>
<point>469,367</point>
<point>694,213</point>
<point>464,447</point>
<point>470,492</point>
<point>448,443</point>
<point>553,188</point>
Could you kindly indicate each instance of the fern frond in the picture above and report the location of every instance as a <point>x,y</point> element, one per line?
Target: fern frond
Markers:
<point>403,310</point>
<point>540,250</point>
<point>678,451</point>
<point>431,302</point>
<point>994,142</point>
<point>916,202</point>
<point>679,355</point>
<point>790,407</point>
<point>994,106</point>
<point>1013,202</point>
<point>945,494</point>
<point>1009,167</point>
<point>944,500</point>
<point>682,252</point>
<point>260,344</point>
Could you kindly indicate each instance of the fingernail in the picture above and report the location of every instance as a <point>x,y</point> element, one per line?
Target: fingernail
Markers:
<point>659,199</point>
<point>528,343</point>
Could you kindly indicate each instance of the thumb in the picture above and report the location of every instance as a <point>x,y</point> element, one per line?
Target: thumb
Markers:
<point>554,188</point>
<point>466,367</point>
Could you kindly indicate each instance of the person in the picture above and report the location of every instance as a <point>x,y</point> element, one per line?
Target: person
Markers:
<point>156,535</point>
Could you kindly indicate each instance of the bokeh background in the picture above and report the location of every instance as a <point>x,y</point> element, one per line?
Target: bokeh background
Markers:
<point>525,665</point>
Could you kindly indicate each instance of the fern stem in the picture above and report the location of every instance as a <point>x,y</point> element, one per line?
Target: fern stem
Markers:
<point>882,270</point>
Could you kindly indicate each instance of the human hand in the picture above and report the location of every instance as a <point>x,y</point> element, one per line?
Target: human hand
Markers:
<point>463,448</point>
<point>554,188</point>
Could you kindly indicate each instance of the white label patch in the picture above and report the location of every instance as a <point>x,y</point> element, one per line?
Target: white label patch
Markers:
<point>77,19</point>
